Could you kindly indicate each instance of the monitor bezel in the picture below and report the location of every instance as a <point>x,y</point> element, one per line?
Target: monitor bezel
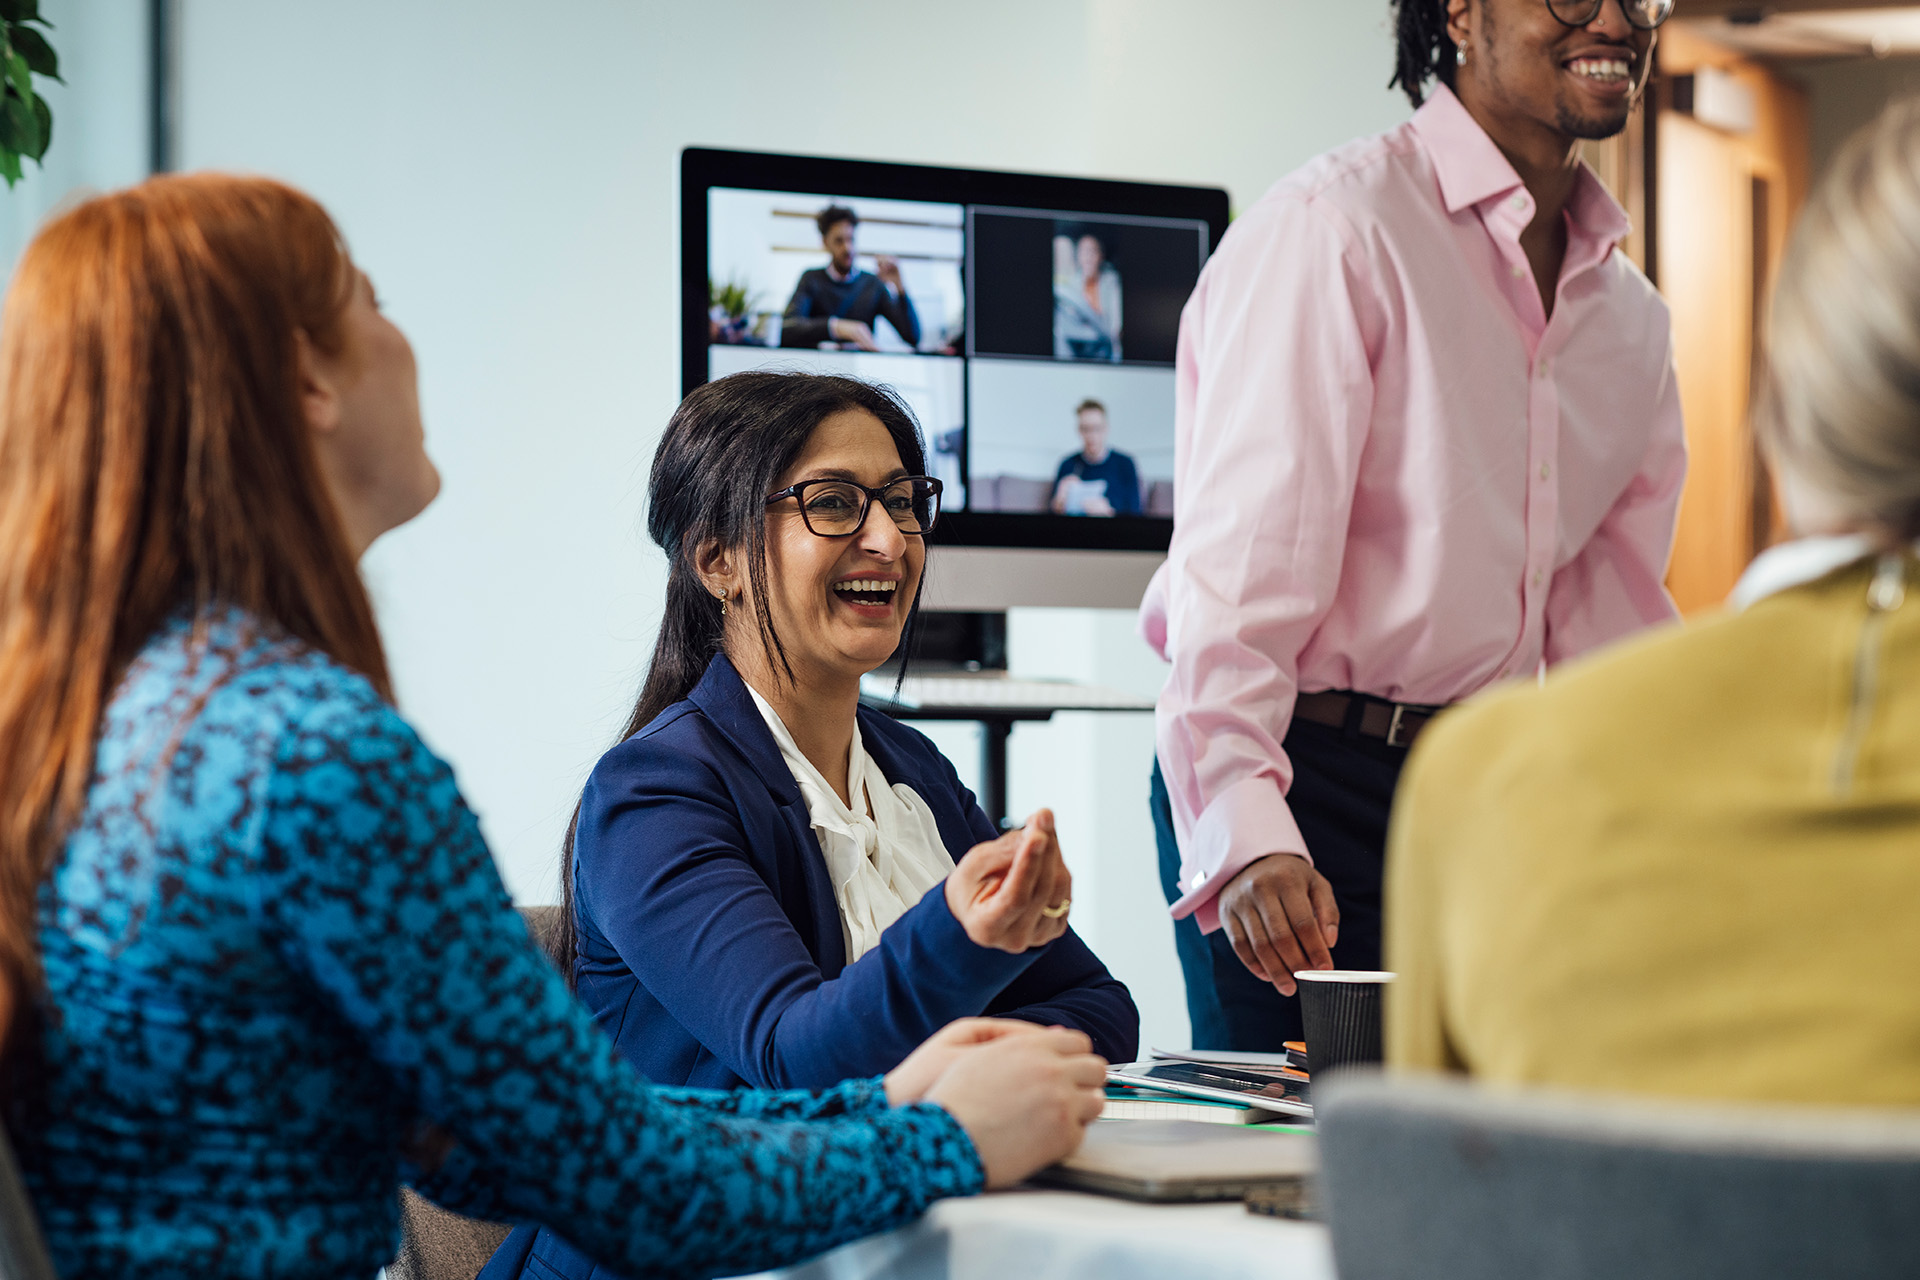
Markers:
<point>703,168</point>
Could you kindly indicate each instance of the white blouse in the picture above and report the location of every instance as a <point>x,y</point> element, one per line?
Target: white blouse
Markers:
<point>883,851</point>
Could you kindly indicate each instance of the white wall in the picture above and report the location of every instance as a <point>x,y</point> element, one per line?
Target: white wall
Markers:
<point>507,173</point>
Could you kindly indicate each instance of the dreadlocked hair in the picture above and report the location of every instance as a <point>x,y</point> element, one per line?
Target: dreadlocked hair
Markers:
<point>1425,52</point>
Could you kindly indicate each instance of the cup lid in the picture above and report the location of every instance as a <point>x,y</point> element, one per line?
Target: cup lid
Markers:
<point>1342,975</point>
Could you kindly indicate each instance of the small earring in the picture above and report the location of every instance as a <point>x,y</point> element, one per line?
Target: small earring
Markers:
<point>1460,55</point>
<point>723,603</point>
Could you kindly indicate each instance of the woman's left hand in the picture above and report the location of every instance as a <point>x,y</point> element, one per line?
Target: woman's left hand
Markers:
<point>910,1081</point>
<point>1013,893</point>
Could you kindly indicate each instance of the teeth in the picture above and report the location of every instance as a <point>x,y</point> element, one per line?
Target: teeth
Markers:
<point>1599,68</point>
<point>866,585</point>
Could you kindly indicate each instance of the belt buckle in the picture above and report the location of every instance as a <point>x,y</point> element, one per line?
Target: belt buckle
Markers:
<point>1393,726</point>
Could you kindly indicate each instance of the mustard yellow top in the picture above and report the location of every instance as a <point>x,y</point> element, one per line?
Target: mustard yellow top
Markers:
<point>1687,866</point>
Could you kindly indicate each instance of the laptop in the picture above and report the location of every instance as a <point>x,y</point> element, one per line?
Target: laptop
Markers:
<point>1183,1160</point>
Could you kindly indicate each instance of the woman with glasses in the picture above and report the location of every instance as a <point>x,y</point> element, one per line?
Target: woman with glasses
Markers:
<point>766,883</point>
<point>256,964</point>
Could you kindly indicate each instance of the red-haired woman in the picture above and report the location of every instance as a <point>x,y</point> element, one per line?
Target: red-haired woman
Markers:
<point>260,962</point>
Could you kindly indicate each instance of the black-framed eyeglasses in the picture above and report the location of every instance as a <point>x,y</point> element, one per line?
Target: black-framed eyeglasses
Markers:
<point>1644,14</point>
<point>836,508</point>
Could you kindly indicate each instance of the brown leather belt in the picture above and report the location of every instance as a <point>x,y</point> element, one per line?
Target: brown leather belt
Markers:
<point>1395,723</point>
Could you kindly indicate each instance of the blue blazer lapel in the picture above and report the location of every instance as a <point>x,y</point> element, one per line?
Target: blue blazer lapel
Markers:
<point>722,697</point>
<point>903,756</point>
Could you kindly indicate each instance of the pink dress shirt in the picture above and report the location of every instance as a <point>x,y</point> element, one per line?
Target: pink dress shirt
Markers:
<point>1394,473</point>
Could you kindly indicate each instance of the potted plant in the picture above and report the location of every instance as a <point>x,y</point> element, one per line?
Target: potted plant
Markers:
<point>26,123</point>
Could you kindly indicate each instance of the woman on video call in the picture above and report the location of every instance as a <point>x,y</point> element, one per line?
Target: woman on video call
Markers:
<point>762,884</point>
<point>256,964</point>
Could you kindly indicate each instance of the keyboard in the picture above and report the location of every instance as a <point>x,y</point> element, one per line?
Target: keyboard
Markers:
<point>989,691</point>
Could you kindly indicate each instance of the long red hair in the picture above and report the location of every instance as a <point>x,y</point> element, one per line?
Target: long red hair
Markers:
<point>153,455</point>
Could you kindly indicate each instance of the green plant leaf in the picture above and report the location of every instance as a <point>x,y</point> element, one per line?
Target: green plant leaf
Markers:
<point>43,114</point>
<point>20,10</point>
<point>9,166</point>
<point>33,46</point>
<point>19,127</point>
<point>20,76</point>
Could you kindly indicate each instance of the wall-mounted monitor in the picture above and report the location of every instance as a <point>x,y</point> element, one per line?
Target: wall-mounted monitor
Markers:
<point>1029,321</point>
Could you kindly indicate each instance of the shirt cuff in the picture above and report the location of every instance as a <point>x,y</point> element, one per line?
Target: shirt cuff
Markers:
<point>1245,823</point>
<point>863,1097</point>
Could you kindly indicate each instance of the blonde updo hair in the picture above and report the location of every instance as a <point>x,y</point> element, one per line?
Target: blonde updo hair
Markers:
<point>1839,411</point>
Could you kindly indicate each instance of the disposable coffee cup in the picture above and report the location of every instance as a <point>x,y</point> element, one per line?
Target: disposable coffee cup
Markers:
<point>1341,1010</point>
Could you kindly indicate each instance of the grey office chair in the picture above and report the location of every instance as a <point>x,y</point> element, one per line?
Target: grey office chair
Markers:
<point>436,1243</point>
<point>1429,1178</point>
<point>23,1253</point>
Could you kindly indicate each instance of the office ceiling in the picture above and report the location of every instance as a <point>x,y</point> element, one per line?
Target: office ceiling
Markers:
<point>1829,31</point>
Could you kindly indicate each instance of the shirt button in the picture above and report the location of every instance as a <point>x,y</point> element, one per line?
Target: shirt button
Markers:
<point>1518,201</point>
<point>1536,579</point>
<point>1542,367</point>
<point>1518,271</point>
<point>1545,471</point>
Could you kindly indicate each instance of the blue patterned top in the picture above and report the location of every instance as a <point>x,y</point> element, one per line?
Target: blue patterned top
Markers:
<point>277,948</point>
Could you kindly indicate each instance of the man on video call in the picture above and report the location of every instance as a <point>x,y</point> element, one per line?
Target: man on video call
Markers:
<point>839,302</point>
<point>1097,481</point>
<point>1427,439</point>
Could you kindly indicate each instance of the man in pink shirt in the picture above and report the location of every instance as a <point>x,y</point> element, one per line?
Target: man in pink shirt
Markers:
<point>1428,439</point>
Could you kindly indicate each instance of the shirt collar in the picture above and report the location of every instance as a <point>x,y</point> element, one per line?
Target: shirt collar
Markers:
<point>1795,564</point>
<point>1473,170</point>
<point>835,276</point>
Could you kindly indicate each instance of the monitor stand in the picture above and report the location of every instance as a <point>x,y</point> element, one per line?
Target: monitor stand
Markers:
<point>959,672</point>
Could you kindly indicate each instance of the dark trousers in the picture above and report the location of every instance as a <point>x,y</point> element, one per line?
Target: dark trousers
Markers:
<point>1342,791</point>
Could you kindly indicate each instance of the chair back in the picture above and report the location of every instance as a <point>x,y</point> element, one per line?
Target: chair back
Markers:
<point>436,1243</point>
<point>23,1252</point>
<point>1427,1178</point>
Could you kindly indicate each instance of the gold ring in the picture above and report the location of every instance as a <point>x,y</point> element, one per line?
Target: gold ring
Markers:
<point>1054,913</point>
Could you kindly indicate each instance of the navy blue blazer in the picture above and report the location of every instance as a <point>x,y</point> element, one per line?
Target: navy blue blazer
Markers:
<point>709,938</point>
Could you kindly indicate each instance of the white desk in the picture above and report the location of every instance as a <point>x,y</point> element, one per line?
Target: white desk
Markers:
<point>1062,1235</point>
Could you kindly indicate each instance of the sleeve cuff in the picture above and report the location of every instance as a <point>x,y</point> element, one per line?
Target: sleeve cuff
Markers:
<point>1245,823</point>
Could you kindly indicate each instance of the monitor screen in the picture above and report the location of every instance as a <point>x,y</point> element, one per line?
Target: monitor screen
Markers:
<point>1029,322</point>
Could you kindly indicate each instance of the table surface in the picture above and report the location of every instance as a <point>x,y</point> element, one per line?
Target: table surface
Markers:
<point>1066,1235</point>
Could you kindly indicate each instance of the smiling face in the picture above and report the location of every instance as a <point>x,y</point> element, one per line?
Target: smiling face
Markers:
<point>1522,64</point>
<point>839,604</point>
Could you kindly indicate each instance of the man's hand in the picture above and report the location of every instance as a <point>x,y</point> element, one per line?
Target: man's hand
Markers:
<point>888,269</point>
<point>1280,916</point>
<point>853,331</point>
<point>910,1081</point>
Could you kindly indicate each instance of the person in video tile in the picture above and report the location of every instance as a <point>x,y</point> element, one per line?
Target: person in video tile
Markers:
<point>839,302</point>
<point>1097,481</point>
<point>1086,300</point>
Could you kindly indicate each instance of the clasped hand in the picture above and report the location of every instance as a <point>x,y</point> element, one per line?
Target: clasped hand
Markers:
<point>1002,890</point>
<point>1025,1094</point>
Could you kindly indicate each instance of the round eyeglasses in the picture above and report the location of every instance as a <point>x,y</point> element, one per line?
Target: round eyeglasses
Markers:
<point>836,508</point>
<point>1644,14</point>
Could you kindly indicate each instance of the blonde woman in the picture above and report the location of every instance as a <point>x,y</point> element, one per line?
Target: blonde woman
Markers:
<point>1698,853</point>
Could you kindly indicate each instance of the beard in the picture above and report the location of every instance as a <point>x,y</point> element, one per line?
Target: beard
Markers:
<point>1592,128</point>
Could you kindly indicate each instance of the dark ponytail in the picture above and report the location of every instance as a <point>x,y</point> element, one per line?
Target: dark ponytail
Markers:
<point>724,449</point>
<point>1425,51</point>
